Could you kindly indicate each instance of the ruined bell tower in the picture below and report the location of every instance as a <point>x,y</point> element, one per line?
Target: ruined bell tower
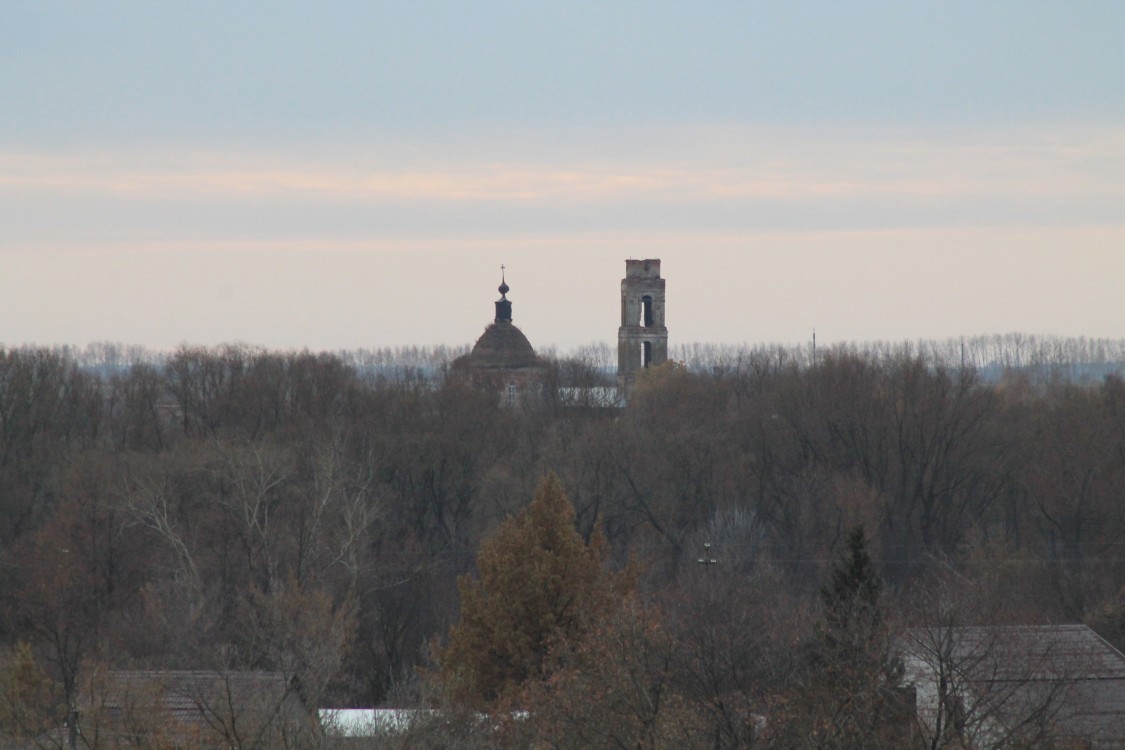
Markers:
<point>642,339</point>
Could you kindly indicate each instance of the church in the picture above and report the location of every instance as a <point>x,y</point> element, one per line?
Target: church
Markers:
<point>503,358</point>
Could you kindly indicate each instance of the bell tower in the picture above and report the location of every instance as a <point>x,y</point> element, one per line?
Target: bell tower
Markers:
<point>642,339</point>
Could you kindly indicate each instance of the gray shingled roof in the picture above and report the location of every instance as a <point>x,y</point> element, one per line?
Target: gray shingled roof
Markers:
<point>206,700</point>
<point>1081,674</point>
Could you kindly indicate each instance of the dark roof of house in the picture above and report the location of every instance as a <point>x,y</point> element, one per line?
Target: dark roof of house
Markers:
<point>204,699</point>
<point>1070,665</point>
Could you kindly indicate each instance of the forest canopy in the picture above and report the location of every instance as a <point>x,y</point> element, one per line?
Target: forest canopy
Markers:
<point>175,513</point>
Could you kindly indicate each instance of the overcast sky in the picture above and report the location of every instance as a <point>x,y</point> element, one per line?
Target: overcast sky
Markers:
<point>353,174</point>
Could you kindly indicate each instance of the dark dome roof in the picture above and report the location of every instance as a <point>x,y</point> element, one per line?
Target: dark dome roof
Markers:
<point>502,346</point>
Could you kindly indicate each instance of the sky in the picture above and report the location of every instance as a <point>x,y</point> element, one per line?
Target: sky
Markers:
<point>345,175</point>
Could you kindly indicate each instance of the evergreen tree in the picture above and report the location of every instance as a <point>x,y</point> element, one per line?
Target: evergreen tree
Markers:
<point>540,589</point>
<point>854,699</point>
<point>853,616</point>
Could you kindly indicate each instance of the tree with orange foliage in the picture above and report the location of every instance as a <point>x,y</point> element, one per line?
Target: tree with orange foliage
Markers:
<point>616,688</point>
<point>540,588</point>
<point>27,696</point>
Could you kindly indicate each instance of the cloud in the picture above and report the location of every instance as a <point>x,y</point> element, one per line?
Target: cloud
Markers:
<point>682,182</point>
<point>749,165</point>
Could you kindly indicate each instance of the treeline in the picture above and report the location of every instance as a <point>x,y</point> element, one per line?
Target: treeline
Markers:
<point>107,358</point>
<point>239,508</point>
<point>1043,358</point>
<point>1039,358</point>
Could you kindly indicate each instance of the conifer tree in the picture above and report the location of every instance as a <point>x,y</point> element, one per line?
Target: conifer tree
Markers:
<point>540,589</point>
<point>852,610</point>
<point>854,700</point>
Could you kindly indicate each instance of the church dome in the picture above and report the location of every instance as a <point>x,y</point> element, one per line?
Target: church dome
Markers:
<point>502,346</point>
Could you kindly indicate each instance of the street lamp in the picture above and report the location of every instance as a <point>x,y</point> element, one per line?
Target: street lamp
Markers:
<point>707,559</point>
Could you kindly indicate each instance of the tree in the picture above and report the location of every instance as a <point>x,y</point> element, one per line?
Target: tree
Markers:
<point>540,587</point>
<point>27,697</point>
<point>737,627</point>
<point>850,697</point>
<point>852,612</point>
<point>300,634</point>
<point>48,409</point>
<point>73,578</point>
<point>616,689</point>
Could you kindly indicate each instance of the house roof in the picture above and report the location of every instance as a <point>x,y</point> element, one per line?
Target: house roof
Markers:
<point>1070,666</point>
<point>201,699</point>
<point>1007,652</point>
